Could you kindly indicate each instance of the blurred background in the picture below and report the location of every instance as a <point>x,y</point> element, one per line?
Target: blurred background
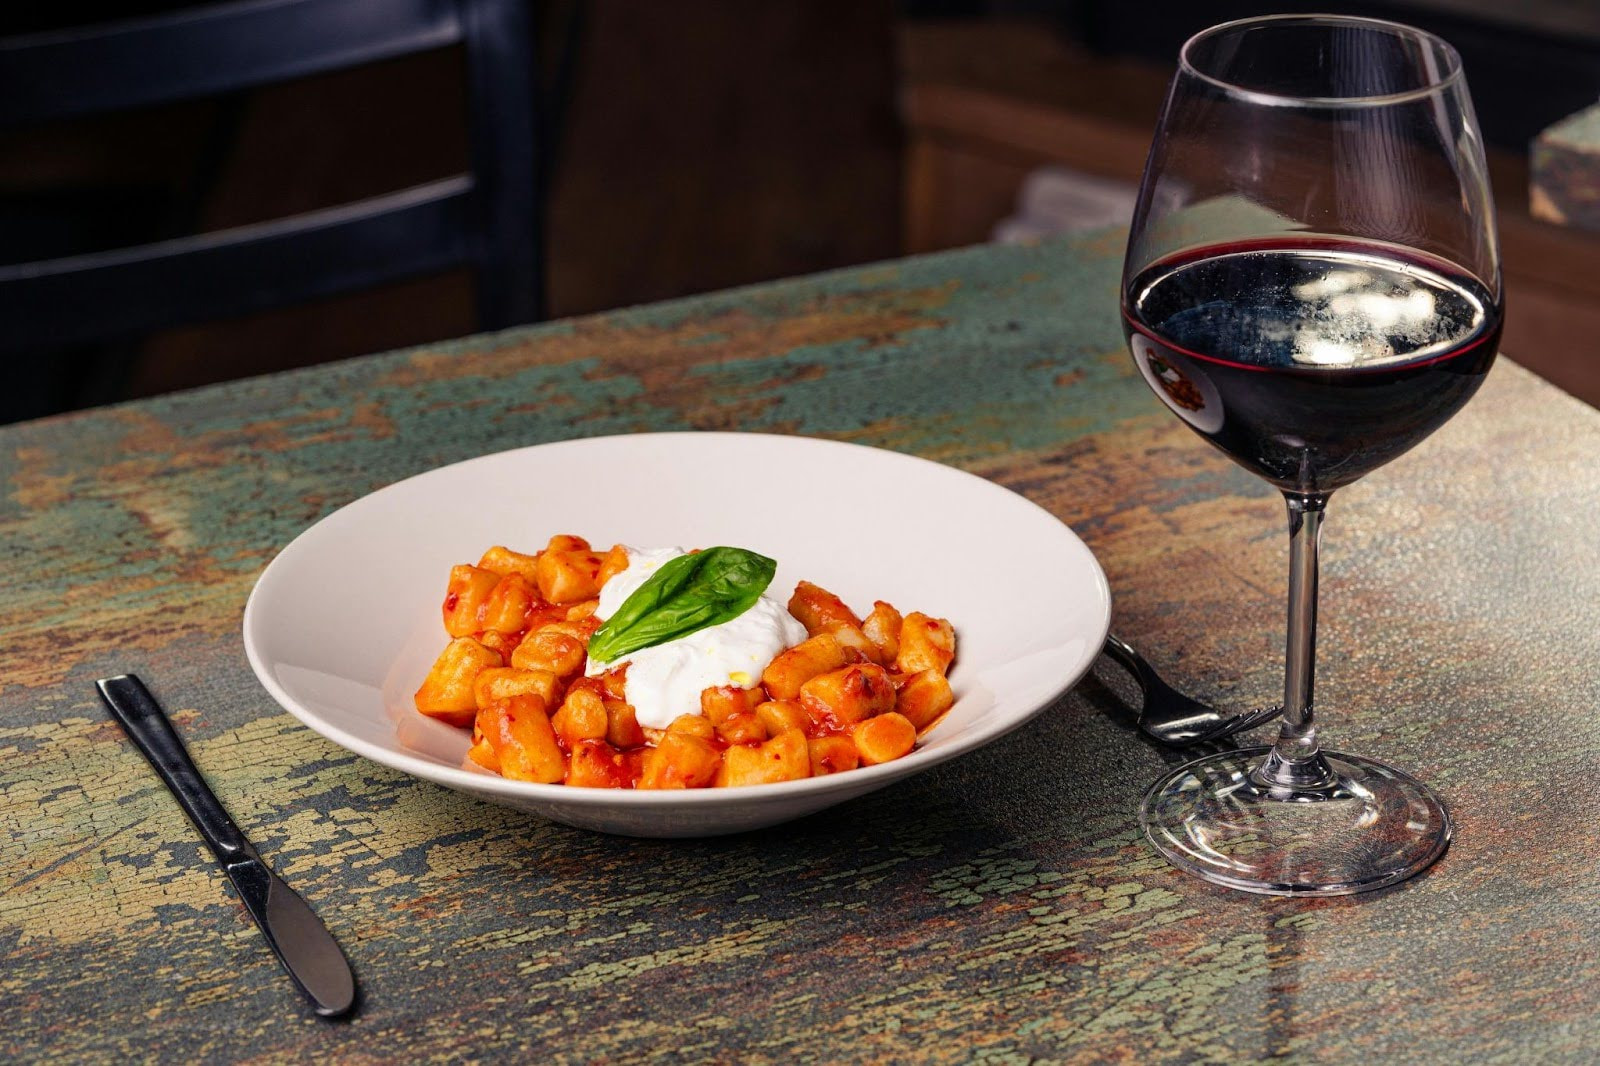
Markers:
<point>513,160</point>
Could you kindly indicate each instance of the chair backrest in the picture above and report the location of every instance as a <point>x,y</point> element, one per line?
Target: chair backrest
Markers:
<point>488,219</point>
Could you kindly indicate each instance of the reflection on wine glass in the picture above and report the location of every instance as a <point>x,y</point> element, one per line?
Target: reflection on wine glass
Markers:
<point>1179,384</point>
<point>1325,294</point>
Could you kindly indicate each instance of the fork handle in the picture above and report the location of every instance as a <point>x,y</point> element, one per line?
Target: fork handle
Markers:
<point>1133,662</point>
<point>147,725</point>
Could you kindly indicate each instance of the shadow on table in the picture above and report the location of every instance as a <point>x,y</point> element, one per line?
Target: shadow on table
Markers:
<point>941,877</point>
<point>1052,801</point>
<point>1043,798</point>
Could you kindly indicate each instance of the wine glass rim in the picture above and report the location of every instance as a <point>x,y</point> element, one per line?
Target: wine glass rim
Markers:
<point>1448,76</point>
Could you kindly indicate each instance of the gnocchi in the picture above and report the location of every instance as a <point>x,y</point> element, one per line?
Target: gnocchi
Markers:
<point>855,692</point>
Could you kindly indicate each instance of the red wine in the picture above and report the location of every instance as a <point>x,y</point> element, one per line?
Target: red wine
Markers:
<point>1311,361</point>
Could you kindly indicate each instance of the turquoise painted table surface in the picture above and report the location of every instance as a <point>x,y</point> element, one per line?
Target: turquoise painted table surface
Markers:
<point>1001,908</point>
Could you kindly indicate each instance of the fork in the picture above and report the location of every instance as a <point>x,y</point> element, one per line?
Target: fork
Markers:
<point>1172,717</point>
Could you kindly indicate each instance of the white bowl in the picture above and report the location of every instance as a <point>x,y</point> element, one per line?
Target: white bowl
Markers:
<point>344,623</point>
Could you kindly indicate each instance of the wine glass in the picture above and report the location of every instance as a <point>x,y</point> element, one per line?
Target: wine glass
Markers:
<point>1313,285</point>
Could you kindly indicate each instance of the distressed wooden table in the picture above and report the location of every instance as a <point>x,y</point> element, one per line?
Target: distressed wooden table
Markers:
<point>966,915</point>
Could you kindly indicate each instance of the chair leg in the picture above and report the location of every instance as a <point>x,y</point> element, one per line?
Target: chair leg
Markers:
<point>503,83</point>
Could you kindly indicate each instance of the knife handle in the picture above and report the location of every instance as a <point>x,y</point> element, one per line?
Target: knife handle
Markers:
<point>147,725</point>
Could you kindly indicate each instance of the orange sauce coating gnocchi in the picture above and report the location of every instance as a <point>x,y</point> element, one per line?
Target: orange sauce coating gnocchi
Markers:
<point>855,692</point>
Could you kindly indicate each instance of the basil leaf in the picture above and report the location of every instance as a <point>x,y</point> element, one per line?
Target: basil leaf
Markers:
<point>685,595</point>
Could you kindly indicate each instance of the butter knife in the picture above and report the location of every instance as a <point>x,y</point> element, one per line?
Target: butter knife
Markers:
<point>299,939</point>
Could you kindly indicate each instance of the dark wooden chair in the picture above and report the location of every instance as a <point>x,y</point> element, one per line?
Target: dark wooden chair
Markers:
<point>488,219</point>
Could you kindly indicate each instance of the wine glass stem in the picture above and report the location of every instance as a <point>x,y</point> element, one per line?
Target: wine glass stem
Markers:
<point>1295,762</point>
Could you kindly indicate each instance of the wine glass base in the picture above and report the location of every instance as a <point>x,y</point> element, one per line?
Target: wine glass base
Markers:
<point>1376,826</point>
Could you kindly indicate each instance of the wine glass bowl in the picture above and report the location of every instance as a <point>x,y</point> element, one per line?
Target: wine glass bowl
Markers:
<point>1312,284</point>
<point>1324,357</point>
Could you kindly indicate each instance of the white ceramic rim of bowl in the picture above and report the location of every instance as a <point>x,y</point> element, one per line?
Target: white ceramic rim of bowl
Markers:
<point>856,781</point>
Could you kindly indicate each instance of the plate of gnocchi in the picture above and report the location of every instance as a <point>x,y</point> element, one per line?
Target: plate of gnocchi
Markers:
<point>677,634</point>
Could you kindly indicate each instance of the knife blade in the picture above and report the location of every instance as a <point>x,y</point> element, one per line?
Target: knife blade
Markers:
<point>296,935</point>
